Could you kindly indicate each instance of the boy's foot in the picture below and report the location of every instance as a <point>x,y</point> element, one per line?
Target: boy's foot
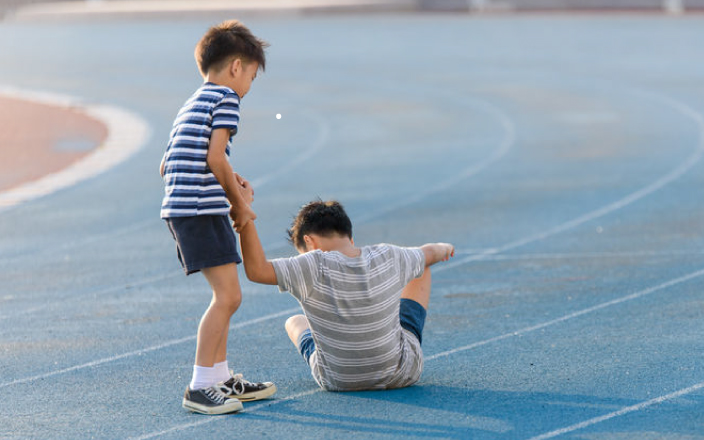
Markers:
<point>210,401</point>
<point>239,388</point>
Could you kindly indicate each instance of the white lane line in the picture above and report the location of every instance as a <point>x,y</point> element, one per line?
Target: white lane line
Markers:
<point>127,133</point>
<point>317,145</point>
<point>141,351</point>
<point>508,141</point>
<point>621,412</point>
<point>573,315</point>
<point>676,173</point>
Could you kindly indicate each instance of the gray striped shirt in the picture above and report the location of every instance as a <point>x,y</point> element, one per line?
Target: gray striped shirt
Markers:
<point>352,305</point>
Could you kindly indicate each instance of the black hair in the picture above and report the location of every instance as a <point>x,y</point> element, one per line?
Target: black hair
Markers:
<point>322,218</point>
<point>226,40</point>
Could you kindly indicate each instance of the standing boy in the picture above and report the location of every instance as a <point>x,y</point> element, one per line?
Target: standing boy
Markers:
<point>201,191</point>
<point>364,307</point>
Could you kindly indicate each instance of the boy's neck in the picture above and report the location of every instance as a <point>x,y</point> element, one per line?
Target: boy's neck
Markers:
<point>217,78</point>
<point>343,245</point>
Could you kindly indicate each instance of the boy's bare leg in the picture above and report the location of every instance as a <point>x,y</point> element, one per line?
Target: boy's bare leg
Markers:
<point>296,325</point>
<point>419,289</point>
<point>215,324</point>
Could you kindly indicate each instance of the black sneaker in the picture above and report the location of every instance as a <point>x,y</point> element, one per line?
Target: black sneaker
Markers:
<point>239,388</point>
<point>210,401</point>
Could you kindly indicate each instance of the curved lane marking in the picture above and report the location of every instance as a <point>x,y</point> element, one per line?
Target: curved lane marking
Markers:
<point>674,174</point>
<point>127,133</point>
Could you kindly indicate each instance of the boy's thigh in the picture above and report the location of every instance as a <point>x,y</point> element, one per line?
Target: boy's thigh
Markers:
<point>204,241</point>
<point>412,317</point>
<point>223,279</point>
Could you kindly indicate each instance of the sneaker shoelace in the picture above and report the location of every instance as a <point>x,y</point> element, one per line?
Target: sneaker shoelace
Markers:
<point>215,395</point>
<point>239,384</point>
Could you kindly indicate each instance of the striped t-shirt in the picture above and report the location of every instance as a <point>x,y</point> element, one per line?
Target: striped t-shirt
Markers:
<point>352,306</point>
<point>191,188</point>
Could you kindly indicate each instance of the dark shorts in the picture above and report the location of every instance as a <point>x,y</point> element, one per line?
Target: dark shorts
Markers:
<point>204,241</point>
<point>412,317</point>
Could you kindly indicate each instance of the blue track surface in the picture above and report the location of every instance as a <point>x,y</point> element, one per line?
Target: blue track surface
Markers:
<point>561,155</point>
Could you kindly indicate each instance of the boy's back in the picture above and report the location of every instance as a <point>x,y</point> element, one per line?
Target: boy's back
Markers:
<point>352,305</point>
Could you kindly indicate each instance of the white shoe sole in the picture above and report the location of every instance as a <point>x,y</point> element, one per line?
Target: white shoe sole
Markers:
<point>232,405</point>
<point>257,395</point>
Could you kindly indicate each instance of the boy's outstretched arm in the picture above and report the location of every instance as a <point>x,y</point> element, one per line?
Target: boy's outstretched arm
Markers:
<point>436,252</point>
<point>256,266</point>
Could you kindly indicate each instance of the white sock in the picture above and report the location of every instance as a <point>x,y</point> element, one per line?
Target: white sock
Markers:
<point>222,371</point>
<point>203,377</point>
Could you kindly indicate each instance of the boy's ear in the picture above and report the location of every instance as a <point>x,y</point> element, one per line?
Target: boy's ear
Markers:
<point>311,242</point>
<point>236,67</point>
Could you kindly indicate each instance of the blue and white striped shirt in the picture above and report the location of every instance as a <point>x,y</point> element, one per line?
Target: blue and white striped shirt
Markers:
<point>191,188</point>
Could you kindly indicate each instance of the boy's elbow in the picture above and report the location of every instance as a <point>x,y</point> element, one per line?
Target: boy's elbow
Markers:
<point>259,275</point>
<point>250,273</point>
<point>213,161</point>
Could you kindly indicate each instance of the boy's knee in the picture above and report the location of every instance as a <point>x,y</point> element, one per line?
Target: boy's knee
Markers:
<point>294,322</point>
<point>235,301</point>
<point>231,302</point>
<point>295,325</point>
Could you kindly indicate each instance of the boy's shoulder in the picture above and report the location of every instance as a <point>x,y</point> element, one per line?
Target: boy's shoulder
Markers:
<point>388,250</point>
<point>384,248</point>
<point>214,92</point>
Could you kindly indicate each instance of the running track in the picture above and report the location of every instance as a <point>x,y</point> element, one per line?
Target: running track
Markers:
<point>561,155</point>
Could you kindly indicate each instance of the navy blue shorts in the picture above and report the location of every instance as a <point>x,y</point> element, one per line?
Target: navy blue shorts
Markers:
<point>412,317</point>
<point>204,241</point>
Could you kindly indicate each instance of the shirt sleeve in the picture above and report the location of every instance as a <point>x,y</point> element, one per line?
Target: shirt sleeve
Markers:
<point>226,114</point>
<point>411,262</point>
<point>296,275</point>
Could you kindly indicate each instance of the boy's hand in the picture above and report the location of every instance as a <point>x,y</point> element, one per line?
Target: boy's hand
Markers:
<point>241,216</point>
<point>449,251</point>
<point>437,252</point>
<point>245,189</point>
<point>244,214</point>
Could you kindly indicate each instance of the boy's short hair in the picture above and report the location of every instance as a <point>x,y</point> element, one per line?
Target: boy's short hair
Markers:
<point>227,40</point>
<point>321,218</point>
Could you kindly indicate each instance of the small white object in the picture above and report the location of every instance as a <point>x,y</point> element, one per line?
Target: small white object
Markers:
<point>278,116</point>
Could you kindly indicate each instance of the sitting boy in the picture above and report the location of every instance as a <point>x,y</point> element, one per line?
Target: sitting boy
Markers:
<point>364,307</point>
